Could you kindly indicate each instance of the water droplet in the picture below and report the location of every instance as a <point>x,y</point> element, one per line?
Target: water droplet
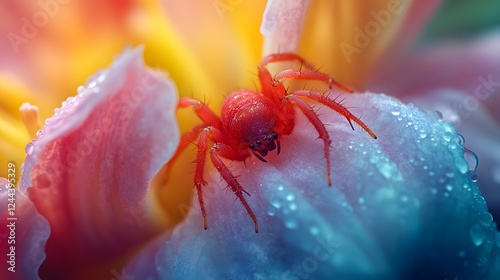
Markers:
<point>276,204</point>
<point>396,113</point>
<point>271,211</point>
<point>280,188</point>
<point>473,175</point>
<point>38,133</point>
<point>447,136</point>
<point>462,165</point>
<point>439,115</point>
<point>477,235</point>
<point>291,223</point>
<point>486,219</point>
<point>290,197</point>
<point>292,206</point>
<point>29,148</point>
<point>461,140</point>
<point>475,190</point>
<point>423,135</point>
<point>449,188</point>
<point>80,89</point>
<point>314,231</point>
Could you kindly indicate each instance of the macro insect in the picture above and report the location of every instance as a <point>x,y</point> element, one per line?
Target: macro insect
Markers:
<point>252,123</point>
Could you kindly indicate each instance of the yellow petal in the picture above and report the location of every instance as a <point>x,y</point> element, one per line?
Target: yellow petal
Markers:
<point>346,37</point>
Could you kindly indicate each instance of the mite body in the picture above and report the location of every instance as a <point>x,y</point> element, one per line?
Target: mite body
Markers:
<point>252,122</point>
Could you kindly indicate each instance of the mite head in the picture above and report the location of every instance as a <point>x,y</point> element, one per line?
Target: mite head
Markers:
<point>262,145</point>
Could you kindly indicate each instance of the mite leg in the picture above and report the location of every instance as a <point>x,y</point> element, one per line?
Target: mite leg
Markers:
<point>186,139</point>
<point>312,75</point>
<point>318,125</point>
<point>230,179</point>
<point>199,181</point>
<point>303,74</point>
<point>282,57</point>
<point>202,111</point>
<point>337,107</point>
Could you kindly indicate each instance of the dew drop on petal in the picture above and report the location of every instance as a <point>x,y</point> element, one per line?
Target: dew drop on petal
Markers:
<point>396,113</point>
<point>486,219</point>
<point>29,148</point>
<point>477,235</point>
<point>291,223</point>
<point>276,204</point>
<point>290,197</point>
<point>473,175</point>
<point>314,231</point>
<point>462,165</point>
<point>271,211</point>
<point>449,188</point>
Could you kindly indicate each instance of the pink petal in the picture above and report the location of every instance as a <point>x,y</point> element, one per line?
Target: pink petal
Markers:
<point>22,236</point>
<point>282,25</point>
<point>88,171</point>
<point>472,67</point>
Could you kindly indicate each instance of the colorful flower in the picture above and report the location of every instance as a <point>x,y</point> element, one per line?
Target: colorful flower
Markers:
<point>96,201</point>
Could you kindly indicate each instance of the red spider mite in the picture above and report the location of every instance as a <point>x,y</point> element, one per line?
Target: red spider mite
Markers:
<point>252,122</point>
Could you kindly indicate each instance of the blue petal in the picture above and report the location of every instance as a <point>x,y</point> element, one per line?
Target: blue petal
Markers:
<point>402,206</point>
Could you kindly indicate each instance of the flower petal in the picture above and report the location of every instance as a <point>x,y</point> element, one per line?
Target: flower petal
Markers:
<point>282,25</point>
<point>346,38</point>
<point>481,132</point>
<point>400,206</point>
<point>89,169</point>
<point>473,67</point>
